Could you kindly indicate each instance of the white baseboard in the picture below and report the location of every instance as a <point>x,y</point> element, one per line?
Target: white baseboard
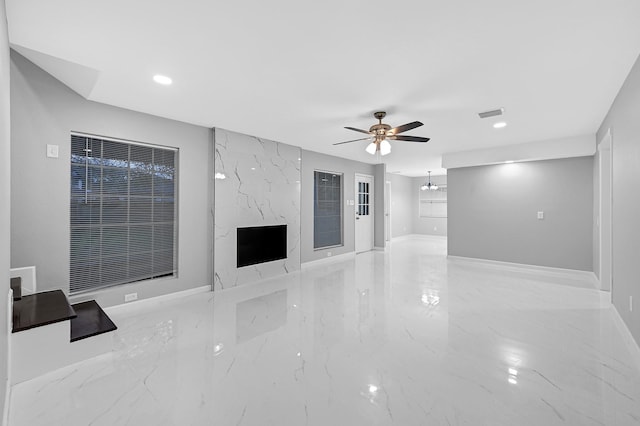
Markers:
<point>7,401</point>
<point>418,237</point>
<point>548,270</point>
<point>596,282</point>
<point>627,337</point>
<point>7,392</point>
<point>326,260</point>
<point>403,237</point>
<point>139,304</point>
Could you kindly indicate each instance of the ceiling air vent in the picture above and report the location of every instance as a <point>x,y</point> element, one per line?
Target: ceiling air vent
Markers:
<point>491,113</point>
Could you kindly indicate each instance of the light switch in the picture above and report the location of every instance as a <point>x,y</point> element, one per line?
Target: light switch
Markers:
<point>540,215</point>
<point>52,151</point>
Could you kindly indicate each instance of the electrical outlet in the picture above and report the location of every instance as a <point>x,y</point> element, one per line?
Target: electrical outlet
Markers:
<point>540,215</point>
<point>435,228</point>
<point>52,151</point>
<point>130,297</point>
<point>328,254</point>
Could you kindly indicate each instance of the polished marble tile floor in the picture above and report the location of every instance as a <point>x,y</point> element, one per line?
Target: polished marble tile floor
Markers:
<point>402,337</point>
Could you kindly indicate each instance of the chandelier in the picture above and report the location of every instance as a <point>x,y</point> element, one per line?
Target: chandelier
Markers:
<point>428,185</point>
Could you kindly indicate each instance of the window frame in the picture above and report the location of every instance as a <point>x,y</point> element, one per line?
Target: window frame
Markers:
<point>316,172</point>
<point>167,220</point>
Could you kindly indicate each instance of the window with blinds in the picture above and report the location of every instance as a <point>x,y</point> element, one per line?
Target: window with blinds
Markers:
<point>123,213</point>
<point>327,209</point>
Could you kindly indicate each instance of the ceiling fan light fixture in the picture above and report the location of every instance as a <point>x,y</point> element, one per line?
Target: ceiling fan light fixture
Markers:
<point>385,147</point>
<point>382,133</point>
<point>371,148</point>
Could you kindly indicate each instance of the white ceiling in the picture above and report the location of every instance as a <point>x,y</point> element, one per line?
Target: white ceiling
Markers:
<point>298,71</point>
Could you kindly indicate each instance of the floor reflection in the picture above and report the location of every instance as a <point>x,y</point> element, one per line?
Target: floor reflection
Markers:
<point>260,315</point>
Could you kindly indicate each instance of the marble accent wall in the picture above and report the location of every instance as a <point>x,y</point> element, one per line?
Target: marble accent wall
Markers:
<point>261,187</point>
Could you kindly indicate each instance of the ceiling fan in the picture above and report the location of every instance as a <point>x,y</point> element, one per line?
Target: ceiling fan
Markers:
<point>380,134</point>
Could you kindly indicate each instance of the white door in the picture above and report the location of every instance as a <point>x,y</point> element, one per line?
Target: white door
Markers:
<point>604,149</point>
<point>364,213</point>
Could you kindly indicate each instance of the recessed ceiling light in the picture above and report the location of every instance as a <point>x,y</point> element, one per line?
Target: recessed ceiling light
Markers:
<point>162,79</point>
<point>499,125</point>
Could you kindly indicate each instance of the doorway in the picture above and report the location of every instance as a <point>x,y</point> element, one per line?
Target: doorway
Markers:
<point>604,216</point>
<point>364,213</point>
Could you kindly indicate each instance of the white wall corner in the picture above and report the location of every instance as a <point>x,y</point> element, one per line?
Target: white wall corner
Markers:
<point>79,78</point>
<point>326,260</point>
<point>28,275</point>
<point>604,144</point>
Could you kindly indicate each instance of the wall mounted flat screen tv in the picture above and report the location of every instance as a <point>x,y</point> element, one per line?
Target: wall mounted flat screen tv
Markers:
<point>259,244</point>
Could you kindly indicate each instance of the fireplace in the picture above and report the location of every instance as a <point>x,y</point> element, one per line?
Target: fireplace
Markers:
<point>260,244</point>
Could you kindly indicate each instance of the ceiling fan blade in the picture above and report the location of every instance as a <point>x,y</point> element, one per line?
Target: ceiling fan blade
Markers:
<point>358,130</point>
<point>404,128</point>
<point>408,138</point>
<point>355,140</point>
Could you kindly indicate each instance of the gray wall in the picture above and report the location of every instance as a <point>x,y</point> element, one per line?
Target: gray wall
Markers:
<point>492,212</point>
<point>402,205</point>
<point>427,225</point>
<point>5,196</point>
<point>312,161</point>
<point>380,171</point>
<point>623,121</point>
<point>44,111</point>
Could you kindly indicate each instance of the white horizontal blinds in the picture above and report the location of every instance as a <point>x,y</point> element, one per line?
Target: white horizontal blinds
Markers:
<point>327,209</point>
<point>123,221</point>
